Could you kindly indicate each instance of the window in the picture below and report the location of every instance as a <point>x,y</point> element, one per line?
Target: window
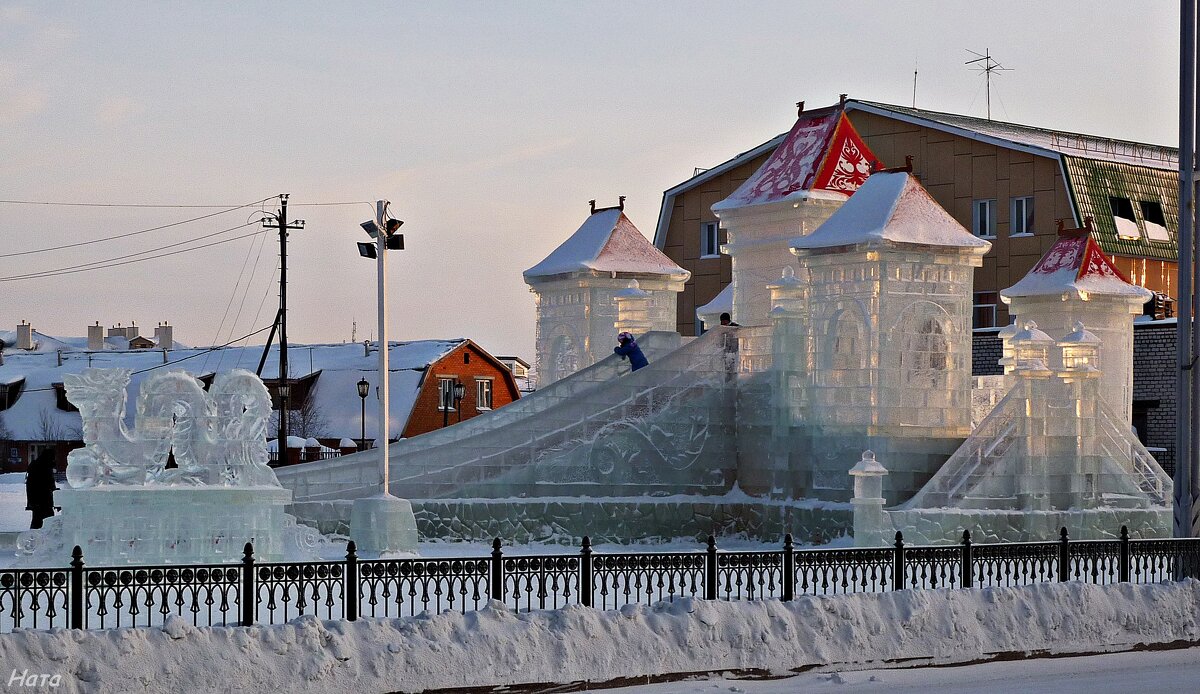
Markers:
<point>1156,224</point>
<point>983,218</point>
<point>446,394</point>
<point>1021,219</point>
<point>1122,212</point>
<point>709,245</point>
<point>985,310</point>
<point>483,394</point>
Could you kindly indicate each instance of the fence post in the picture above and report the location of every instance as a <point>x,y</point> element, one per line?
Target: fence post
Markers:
<point>585,572</point>
<point>968,576</point>
<point>710,570</point>
<point>1064,556</point>
<point>77,587</point>
<point>496,583</point>
<point>351,581</point>
<point>898,563</point>
<point>249,597</point>
<point>789,568</point>
<point>1123,558</point>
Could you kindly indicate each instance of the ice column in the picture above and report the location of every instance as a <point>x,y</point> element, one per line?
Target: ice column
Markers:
<point>868,501</point>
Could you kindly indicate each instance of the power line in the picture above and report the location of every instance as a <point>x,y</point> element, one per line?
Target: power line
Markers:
<point>132,233</point>
<point>168,206</point>
<point>54,273</point>
<point>130,255</point>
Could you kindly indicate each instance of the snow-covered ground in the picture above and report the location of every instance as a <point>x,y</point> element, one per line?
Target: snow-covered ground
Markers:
<point>496,646</point>
<point>1115,673</point>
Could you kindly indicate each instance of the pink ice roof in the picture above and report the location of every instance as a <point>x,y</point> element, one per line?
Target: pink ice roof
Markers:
<point>822,152</point>
<point>606,242</point>
<point>891,207</point>
<point>1075,263</point>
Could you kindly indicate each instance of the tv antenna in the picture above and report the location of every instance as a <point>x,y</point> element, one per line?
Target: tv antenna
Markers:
<point>988,66</point>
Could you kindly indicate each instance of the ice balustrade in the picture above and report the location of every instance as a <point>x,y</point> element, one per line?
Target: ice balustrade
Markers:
<point>586,419</point>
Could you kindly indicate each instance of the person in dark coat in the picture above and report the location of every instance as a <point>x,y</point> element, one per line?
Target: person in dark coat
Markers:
<point>40,487</point>
<point>628,349</point>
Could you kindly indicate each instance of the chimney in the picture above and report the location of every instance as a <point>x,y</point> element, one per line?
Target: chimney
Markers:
<point>25,336</point>
<point>131,332</point>
<point>116,331</point>
<point>95,337</point>
<point>162,335</point>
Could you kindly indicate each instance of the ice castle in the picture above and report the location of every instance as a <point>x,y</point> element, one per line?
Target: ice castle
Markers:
<point>843,406</point>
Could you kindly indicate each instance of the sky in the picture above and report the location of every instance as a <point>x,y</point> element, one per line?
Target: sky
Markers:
<point>488,126</point>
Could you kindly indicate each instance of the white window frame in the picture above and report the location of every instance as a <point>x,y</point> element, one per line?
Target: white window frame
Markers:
<point>710,240</point>
<point>983,210</point>
<point>480,390</point>
<point>446,393</point>
<point>1123,230</point>
<point>1155,232</point>
<point>975,306</point>
<point>1020,212</point>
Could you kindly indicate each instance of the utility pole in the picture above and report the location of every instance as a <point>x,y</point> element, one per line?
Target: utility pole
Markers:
<point>280,221</point>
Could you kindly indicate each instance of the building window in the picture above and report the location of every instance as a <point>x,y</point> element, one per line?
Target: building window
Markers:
<point>1122,212</point>
<point>709,245</point>
<point>446,394</point>
<point>1021,220</point>
<point>1156,224</point>
<point>983,218</point>
<point>985,310</point>
<point>483,395</point>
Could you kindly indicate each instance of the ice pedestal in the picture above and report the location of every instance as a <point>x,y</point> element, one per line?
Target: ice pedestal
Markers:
<point>382,525</point>
<point>153,524</point>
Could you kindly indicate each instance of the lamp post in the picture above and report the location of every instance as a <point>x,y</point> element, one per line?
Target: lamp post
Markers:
<point>459,391</point>
<point>363,389</point>
<point>382,523</point>
<point>284,390</point>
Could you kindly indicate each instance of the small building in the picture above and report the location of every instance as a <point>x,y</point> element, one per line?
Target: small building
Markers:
<point>579,285</point>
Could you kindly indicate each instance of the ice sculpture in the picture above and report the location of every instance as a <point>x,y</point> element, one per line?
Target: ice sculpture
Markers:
<point>188,483</point>
<point>578,288</point>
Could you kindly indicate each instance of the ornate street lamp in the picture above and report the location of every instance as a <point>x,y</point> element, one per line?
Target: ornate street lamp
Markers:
<point>459,391</point>
<point>363,388</point>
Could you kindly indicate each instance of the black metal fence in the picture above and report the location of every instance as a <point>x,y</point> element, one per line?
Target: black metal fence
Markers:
<point>252,592</point>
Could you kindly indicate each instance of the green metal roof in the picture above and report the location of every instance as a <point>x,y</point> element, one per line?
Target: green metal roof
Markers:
<point>1094,181</point>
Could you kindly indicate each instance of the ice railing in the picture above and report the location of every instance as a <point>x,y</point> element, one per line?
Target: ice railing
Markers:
<point>989,450</point>
<point>562,416</point>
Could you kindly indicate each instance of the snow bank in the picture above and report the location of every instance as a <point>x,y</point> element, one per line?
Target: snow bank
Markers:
<point>497,646</point>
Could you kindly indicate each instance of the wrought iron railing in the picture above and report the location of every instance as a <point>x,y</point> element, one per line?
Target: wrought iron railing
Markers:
<point>253,592</point>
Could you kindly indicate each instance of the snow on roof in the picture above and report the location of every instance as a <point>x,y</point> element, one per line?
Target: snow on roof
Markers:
<point>822,151</point>
<point>334,394</point>
<point>1075,263</point>
<point>606,242</point>
<point>891,207</point>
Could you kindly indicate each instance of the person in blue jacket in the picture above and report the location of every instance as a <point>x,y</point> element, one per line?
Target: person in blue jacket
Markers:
<point>628,348</point>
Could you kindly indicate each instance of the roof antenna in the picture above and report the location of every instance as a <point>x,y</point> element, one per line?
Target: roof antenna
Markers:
<point>621,203</point>
<point>799,108</point>
<point>988,67</point>
<point>914,83</point>
<point>593,204</point>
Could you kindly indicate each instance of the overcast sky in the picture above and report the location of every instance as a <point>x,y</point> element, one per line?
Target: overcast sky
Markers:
<point>488,125</point>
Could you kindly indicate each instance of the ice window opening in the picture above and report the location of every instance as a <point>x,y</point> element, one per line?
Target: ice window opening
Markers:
<point>1155,222</point>
<point>1122,211</point>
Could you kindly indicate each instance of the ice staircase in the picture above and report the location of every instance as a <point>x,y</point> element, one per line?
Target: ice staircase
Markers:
<point>602,431</point>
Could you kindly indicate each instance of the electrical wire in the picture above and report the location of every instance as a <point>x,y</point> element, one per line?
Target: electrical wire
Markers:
<point>126,235</point>
<point>164,207</point>
<point>69,271</point>
<point>232,296</point>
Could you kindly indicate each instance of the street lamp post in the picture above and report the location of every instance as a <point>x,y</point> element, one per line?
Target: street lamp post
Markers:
<point>363,389</point>
<point>284,391</point>
<point>459,391</point>
<point>382,523</point>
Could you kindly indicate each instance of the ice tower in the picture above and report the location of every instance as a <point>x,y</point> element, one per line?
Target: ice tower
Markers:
<point>819,164</point>
<point>881,359</point>
<point>1075,282</point>
<point>607,262</point>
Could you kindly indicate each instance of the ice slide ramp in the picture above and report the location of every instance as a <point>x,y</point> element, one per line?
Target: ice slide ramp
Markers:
<point>603,431</point>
